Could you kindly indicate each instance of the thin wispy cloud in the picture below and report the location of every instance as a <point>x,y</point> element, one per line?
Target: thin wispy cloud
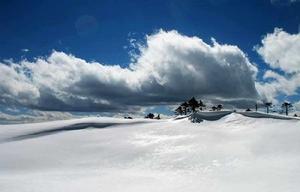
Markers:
<point>25,50</point>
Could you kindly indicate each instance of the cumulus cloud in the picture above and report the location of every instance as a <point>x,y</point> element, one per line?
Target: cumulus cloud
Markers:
<point>15,86</point>
<point>170,68</point>
<point>280,50</point>
<point>278,84</point>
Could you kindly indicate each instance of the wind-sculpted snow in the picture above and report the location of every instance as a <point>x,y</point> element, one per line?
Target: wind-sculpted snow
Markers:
<point>72,127</point>
<point>44,129</point>
<point>234,153</point>
<point>265,115</point>
<point>209,116</point>
<point>216,115</point>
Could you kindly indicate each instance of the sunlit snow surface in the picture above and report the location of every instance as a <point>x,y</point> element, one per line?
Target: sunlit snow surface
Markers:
<point>235,153</point>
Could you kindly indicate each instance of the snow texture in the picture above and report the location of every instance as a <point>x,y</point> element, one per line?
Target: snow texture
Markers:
<point>233,153</point>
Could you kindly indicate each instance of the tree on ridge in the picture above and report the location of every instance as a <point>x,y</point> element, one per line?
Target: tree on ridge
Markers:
<point>268,105</point>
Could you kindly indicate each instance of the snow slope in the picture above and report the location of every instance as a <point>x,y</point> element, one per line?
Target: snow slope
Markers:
<point>234,153</point>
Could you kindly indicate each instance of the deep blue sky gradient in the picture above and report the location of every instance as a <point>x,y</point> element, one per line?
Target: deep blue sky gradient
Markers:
<point>99,30</point>
<point>42,26</point>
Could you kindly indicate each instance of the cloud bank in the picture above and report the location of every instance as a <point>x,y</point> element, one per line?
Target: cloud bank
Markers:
<point>170,68</point>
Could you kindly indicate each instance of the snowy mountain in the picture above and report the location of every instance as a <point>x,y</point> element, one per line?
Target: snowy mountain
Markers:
<point>232,153</point>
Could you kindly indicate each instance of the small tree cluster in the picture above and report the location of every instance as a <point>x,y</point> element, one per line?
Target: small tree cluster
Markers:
<point>285,106</point>
<point>217,108</point>
<point>191,105</point>
<point>151,116</point>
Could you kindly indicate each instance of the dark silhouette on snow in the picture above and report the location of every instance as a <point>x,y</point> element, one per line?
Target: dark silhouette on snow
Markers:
<point>214,108</point>
<point>219,107</point>
<point>286,105</point>
<point>268,105</point>
<point>190,106</point>
<point>128,117</point>
<point>194,109</point>
<point>150,116</point>
<point>193,104</point>
<point>201,105</point>
<point>179,110</point>
<point>185,106</point>
<point>157,117</point>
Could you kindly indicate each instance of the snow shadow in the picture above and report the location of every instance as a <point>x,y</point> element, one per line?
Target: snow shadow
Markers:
<point>73,127</point>
<point>265,115</point>
<point>209,116</point>
<point>216,115</point>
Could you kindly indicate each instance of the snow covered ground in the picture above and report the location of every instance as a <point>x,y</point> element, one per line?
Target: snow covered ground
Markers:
<point>234,153</point>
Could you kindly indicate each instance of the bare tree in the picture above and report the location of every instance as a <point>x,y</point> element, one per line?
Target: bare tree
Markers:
<point>157,117</point>
<point>268,105</point>
<point>286,105</point>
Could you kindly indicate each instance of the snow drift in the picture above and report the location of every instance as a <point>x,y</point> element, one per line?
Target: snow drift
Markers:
<point>209,116</point>
<point>233,153</point>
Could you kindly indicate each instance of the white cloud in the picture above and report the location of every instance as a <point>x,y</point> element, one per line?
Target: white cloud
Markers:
<point>280,50</point>
<point>278,84</point>
<point>15,86</point>
<point>171,67</point>
<point>25,50</point>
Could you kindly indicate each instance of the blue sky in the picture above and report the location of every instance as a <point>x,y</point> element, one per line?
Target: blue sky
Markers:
<point>100,30</point>
<point>42,26</point>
